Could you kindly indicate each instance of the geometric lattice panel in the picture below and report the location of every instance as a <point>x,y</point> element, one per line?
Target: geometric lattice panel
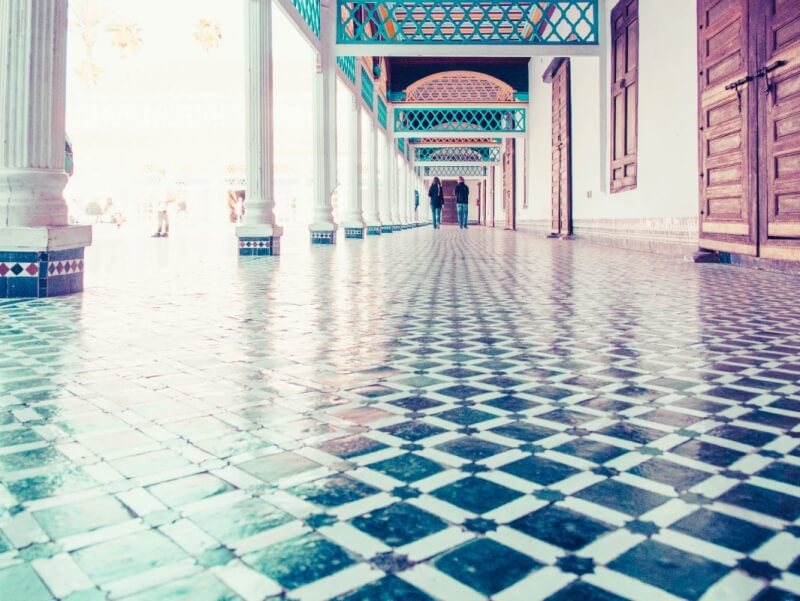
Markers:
<point>452,171</point>
<point>348,66</point>
<point>309,10</point>
<point>367,89</point>
<point>382,112</point>
<point>456,154</point>
<point>490,120</point>
<point>517,22</point>
<point>459,87</point>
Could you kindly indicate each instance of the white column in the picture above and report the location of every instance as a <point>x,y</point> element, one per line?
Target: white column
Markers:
<point>399,190</point>
<point>33,67</point>
<point>388,182</point>
<point>258,223</point>
<point>322,226</point>
<point>371,208</point>
<point>353,219</point>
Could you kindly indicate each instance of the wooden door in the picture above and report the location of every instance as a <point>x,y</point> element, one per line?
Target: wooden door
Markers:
<point>449,214</point>
<point>493,193</point>
<point>509,184</point>
<point>779,92</point>
<point>727,131</point>
<point>561,143</point>
<point>624,94</point>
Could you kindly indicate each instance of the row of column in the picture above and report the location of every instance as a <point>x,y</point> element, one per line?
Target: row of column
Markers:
<point>389,201</point>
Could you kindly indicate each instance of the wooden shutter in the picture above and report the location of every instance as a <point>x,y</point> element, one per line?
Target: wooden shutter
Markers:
<point>727,132</point>
<point>780,155</point>
<point>624,94</point>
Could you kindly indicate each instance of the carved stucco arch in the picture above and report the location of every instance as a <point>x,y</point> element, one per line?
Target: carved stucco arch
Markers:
<point>459,86</point>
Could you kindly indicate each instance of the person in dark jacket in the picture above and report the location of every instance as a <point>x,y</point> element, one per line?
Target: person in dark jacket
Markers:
<point>462,202</point>
<point>436,194</point>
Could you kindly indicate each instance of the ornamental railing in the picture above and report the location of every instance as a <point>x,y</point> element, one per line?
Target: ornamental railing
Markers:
<point>309,11</point>
<point>517,22</point>
<point>456,154</point>
<point>473,120</point>
<point>454,171</point>
<point>367,89</point>
<point>348,66</point>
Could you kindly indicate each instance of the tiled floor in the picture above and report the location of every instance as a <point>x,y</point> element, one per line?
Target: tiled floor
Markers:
<point>449,415</point>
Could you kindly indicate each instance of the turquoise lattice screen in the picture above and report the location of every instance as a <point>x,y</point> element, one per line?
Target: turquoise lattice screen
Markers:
<point>309,10</point>
<point>456,154</point>
<point>348,66</point>
<point>382,113</point>
<point>518,22</point>
<point>453,171</point>
<point>401,146</point>
<point>487,120</point>
<point>367,89</point>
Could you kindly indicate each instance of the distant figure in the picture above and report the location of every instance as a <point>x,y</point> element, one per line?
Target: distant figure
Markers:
<point>462,203</point>
<point>416,205</point>
<point>436,194</point>
<point>163,216</point>
<point>111,214</point>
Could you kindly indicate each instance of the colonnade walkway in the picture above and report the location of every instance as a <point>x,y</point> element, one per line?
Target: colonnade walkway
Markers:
<point>429,414</point>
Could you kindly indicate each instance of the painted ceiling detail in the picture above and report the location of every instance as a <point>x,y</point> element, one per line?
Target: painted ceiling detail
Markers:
<point>207,34</point>
<point>127,37</point>
<point>459,87</point>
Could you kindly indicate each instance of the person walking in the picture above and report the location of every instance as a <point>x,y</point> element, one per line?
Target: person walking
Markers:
<point>462,203</point>
<point>436,194</point>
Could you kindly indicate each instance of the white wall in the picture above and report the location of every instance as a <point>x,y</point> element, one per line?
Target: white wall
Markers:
<point>667,184</point>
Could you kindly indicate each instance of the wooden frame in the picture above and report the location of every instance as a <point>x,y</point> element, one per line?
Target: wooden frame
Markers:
<point>624,96</point>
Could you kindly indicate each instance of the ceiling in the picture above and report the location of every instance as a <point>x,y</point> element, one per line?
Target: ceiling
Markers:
<point>404,71</point>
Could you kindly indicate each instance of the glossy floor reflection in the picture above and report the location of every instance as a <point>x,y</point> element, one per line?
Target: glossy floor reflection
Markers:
<point>447,415</point>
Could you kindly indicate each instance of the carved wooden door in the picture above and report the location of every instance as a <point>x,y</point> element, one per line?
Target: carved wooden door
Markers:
<point>509,185</point>
<point>779,120</point>
<point>727,132</point>
<point>561,143</point>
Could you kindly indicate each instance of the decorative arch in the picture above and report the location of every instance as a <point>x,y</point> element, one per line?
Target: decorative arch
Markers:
<point>459,86</point>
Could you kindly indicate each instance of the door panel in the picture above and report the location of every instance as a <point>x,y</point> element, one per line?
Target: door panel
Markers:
<point>727,132</point>
<point>509,184</point>
<point>449,215</point>
<point>781,140</point>
<point>561,149</point>
<point>625,94</point>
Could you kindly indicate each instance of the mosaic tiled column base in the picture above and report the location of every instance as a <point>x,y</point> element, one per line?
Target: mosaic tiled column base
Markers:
<point>356,233</point>
<point>397,227</point>
<point>327,237</point>
<point>374,230</point>
<point>268,246</point>
<point>40,274</point>
<point>387,229</point>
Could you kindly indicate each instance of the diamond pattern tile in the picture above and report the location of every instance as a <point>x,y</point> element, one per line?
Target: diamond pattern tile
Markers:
<point>454,415</point>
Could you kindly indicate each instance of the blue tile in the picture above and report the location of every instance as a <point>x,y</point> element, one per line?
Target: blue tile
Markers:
<point>399,524</point>
<point>680,477</point>
<point>683,574</point>
<point>512,404</point>
<point>628,499</point>
<point>540,470</point>
<point>476,494</point>
<point>582,591</point>
<point>416,403</point>
<point>708,453</point>
<point>561,527</point>
<point>473,449</point>
<point>756,438</point>
<point>780,471</point>
<point>723,530</point>
<point>523,431</point>
<point>334,491</point>
<point>413,430</point>
<point>389,588</point>
<point>407,468</point>
<point>762,500</point>
<point>633,433</point>
<point>486,566</point>
<point>591,450</point>
<point>299,561</point>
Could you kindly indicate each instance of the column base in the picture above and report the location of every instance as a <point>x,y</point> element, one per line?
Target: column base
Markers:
<point>259,240</point>
<point>396,227</point>
<point>38,262</point>
<point>323,233</point>
<point>387,228</point>
<point>374,230</point>
<point>354,231</point>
